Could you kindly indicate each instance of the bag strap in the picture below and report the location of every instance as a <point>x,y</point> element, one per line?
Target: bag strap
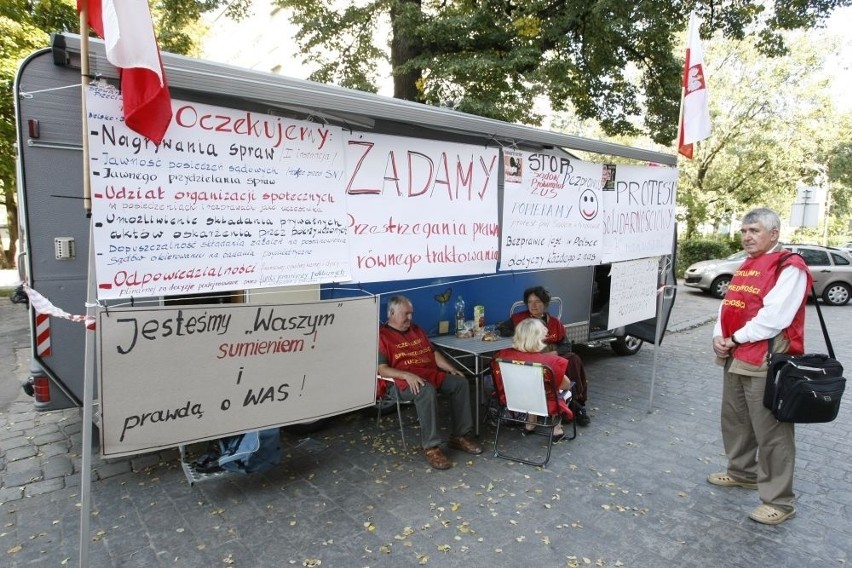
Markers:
<point>822,325</point>
<point>818,310</point>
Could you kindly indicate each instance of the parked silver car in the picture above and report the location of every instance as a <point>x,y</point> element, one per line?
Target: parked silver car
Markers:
<point>830,268</point>
<point>713,276</point>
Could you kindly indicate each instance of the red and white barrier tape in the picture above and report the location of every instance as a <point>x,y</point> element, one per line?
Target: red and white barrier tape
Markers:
<point>43,306</point>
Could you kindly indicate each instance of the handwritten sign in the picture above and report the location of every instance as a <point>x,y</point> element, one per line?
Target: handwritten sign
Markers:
<point>229,200</point>
<point>633,291</point>
<point>420,208</point>
<point>551,211</point>
<point>171,376</point>
<point>639,212</point>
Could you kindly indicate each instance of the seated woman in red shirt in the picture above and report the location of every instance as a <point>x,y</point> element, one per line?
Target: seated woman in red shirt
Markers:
<point>528,345</point>
<point>537,300</point>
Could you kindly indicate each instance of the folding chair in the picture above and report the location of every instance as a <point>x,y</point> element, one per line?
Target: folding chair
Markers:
<point>555,305</point>
<point>526,389</point>
<point>391,396</point>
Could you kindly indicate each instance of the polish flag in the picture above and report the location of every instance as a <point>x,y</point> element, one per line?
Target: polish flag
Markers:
<point>695,111</point>
<point>128,32</point>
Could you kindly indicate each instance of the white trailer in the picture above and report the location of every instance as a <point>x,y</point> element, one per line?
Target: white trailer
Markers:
<point>55,229</point>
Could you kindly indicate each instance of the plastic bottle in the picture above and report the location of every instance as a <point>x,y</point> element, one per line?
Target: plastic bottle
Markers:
<point>460,327</point>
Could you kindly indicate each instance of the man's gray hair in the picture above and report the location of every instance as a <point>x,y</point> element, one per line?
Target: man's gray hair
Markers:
<point>395,302</point>
<point>763,216</point>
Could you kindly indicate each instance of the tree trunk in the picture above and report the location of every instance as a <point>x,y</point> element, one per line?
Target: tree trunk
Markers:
<point>402,50</point>
<point>7,258</point>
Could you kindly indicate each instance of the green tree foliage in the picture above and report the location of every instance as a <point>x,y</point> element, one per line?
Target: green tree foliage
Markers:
<point>25,26</point>
<point>177,21</point>
<point>772,126</point>
<point>612,61</point>
<point>837,157</point>
<point>22,30</point>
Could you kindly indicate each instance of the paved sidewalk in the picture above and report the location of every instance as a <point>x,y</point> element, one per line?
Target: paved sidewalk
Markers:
<point>629,491</point>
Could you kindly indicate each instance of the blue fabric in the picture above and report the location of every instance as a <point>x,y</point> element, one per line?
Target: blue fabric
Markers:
<point>252,452</point>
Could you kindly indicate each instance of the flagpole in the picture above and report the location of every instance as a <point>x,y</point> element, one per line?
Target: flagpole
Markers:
<point>88,374</point>
<point>680,120</point>
<point>694,86</point>
<point>680,110</point>
<point>84,82</point>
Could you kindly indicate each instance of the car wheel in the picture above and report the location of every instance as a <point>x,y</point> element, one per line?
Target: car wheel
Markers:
<point>627,345</point>
<point>720,286</point>
<point>836,294</point>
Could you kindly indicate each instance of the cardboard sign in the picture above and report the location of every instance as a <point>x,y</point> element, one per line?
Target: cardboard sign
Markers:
<point>176,375</point>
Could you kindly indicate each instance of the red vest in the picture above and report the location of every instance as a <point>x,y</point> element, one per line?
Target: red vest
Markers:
<point>557,364</point>
<point>410,351</point>
<point>750,284</point>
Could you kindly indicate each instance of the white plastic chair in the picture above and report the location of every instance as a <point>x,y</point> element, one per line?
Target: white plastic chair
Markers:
<point>391,394</point>
<point>526,388</point>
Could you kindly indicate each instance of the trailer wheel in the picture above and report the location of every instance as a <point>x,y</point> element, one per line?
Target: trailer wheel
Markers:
<point>627,345</point>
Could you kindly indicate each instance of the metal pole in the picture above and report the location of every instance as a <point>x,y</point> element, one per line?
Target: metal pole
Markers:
<point>827,210</point>
<point>660,294</point>
<point>88,403</point>
<point>88,376</point>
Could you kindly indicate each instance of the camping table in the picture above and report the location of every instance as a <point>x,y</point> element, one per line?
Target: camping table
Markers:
<point>474,350</point>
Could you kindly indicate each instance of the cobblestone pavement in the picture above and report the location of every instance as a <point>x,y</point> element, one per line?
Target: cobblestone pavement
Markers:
<point>629,491</point>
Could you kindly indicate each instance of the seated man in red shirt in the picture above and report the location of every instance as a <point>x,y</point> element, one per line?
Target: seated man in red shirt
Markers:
<point>537,299</point>
<point>420,372</point>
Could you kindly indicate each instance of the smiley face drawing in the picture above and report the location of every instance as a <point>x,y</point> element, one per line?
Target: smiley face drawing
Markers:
<point>588,205</point>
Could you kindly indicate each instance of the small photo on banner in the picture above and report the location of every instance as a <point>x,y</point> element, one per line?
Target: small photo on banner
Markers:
<point>513,166</point>
<point>608,177</point>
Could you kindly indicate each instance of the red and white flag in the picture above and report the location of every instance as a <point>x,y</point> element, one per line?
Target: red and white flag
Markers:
<point>695,109</point>
<point>128,32</point>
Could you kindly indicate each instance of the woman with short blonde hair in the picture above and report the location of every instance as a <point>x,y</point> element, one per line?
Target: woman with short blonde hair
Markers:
<point>528,345</point>
<point>529,336</point>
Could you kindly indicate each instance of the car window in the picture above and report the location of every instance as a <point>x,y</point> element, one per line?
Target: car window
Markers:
<point>839,259</point>
<point>814,257</point>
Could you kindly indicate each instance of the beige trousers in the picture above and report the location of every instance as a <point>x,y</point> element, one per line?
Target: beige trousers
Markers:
<point>759,447</point>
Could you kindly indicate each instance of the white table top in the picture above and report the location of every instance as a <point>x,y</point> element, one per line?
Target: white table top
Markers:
<point>473,345</point>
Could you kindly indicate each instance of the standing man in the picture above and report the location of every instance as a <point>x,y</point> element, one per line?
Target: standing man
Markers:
<point>420,372</point>
<point>764,305</point>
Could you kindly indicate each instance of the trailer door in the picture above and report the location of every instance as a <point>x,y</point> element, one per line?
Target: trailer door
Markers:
<point>645,330</point>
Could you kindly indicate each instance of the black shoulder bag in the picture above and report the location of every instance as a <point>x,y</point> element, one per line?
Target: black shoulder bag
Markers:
<point>805,388</point>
